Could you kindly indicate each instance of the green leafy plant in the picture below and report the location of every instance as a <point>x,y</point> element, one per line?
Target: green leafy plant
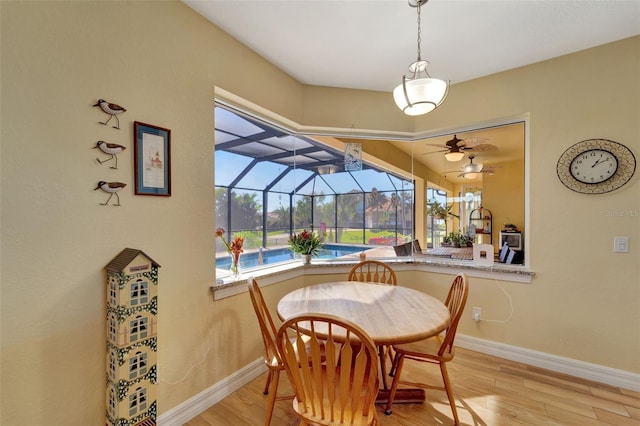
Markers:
<point>458,239</point>
<point>306,242</point>
<point>437,210</point>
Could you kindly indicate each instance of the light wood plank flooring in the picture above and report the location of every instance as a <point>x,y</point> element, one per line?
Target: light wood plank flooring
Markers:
<point>489,391</point>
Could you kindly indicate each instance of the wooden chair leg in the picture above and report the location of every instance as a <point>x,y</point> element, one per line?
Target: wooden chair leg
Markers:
<point>393,365</point>
<point>397,366</point>
<point>273,391</point>
<point>383,365</point>
<point>267,382</point>
<point>449,389</point>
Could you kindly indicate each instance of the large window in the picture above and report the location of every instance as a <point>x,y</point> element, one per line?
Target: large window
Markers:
<point>270,183</point>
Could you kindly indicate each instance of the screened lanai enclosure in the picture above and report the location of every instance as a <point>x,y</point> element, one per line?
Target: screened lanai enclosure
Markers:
<point>271,183</point>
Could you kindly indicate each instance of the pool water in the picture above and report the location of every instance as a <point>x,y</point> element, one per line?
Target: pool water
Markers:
<point>250,260</point>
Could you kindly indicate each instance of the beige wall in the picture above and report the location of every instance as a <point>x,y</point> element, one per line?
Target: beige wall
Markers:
<point>503,192</point>
<point>162,62</point>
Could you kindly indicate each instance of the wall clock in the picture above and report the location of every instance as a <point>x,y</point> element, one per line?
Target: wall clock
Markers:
<point>596,166</point>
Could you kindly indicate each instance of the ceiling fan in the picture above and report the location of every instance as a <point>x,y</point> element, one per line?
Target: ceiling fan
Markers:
<point>471,170</point>
<point>455,148</point>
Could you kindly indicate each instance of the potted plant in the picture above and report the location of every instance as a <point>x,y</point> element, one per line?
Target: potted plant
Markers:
<point>456,239</point>
<point>466,241</point>
<point>450,240</point>
<point>439,211</point>
<point>306,244</point>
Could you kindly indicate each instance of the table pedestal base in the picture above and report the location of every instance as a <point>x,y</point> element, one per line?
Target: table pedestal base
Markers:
<point>403,396</point>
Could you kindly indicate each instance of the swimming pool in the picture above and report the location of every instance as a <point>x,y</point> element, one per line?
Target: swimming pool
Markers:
<point>269,256</point>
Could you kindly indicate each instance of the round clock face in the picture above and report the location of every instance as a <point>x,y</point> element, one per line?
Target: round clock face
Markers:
<point>596,166</point>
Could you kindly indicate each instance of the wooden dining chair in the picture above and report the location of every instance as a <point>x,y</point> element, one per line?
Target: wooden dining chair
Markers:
<point>373,271</point>
<point>436,350</point>
<point>272,358</point>
<point>339,388</point>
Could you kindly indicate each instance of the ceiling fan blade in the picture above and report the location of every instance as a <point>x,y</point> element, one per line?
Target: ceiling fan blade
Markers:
<point>483,147</point>
<point>463,174</point>
<point>438,145</point>
<point>471,142</point>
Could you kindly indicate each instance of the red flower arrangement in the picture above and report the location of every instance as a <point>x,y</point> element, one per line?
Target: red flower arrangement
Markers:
<point>305,242</point>
<point>234,249</point>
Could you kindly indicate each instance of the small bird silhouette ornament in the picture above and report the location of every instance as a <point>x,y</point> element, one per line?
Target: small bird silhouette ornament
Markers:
<point>112,149</point>
<point>112,188</point>
<point>112,109</point>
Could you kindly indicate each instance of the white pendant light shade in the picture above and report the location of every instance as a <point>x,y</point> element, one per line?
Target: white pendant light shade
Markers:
<point>454,156</point>
<point>471,170</point>
<point>420,93</point>
<point>420,96</point>
<point>473,167</point>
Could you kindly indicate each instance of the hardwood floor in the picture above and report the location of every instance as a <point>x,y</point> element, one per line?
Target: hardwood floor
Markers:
<point>489,391</point>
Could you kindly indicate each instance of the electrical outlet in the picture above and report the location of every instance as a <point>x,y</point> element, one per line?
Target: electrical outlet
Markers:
<point>476,314</point>
<point>621,244</point>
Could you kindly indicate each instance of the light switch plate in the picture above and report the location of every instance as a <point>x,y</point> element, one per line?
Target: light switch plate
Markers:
<point>621,244</point>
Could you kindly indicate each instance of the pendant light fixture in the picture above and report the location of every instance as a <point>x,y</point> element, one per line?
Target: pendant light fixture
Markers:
<point>420,93</point>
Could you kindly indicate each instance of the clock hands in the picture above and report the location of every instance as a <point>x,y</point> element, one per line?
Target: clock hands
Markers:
<point>600,161</point>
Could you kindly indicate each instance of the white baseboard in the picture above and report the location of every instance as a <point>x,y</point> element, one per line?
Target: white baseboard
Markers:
<point>572,367</point>
<point>623,379</point>
<point>195,405</point>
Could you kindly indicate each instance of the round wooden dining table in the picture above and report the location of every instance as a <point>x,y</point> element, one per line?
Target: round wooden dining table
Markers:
<point>389,314</point>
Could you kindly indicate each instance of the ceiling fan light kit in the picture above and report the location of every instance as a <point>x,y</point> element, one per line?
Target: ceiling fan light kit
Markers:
<point>420,93</point>
<point>472,170</point>
<point>455,148</point>
<point>454,156</point>
<point>472,167</point>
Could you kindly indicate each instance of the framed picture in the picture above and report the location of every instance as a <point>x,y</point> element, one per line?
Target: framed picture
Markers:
<point>152,158</point>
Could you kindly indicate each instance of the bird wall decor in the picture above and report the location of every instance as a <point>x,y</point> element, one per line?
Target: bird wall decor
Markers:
<point>112,149</point>
<point>112,109</point>
<point>112,189</point>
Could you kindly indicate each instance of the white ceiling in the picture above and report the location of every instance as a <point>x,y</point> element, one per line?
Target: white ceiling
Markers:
<point>368,44</point>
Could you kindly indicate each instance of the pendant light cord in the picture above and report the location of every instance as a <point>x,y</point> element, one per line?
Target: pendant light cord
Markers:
<point>419,29</point>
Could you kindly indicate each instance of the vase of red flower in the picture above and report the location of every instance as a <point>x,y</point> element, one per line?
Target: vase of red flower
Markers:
<point>234,249</point>
<point>234,269</point>
<point>306,244</point>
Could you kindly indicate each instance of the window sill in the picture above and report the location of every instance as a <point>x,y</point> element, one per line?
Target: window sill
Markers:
<point>227,287</point>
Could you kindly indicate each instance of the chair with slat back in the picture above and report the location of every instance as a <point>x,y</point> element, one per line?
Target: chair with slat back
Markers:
<point>272,357</point>
<point>339,388</point>
<point>373,271</point>
<point>436,350</point>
